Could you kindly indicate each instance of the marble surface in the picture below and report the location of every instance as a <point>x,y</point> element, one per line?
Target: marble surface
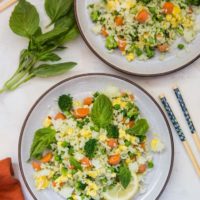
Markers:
<point>183,184</point>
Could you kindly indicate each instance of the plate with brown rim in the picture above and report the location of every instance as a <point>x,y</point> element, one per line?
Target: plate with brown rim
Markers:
<point>79,87</point>
<point>172,61</point>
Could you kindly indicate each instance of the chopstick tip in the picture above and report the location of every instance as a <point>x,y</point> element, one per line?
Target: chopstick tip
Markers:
<point>161,96</point>
<point>175,86</point>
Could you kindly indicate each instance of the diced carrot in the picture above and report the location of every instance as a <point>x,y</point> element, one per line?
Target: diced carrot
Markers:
<point>142,168</point>
<point>143,145</point>
<point>88,101</point>
<point>104,32</point>
<point>131,97</point>
<point>190,11</point>
<point>142,16</point>
<point>168,7</point>
<point>123,120</point>
<point>60,116</point>
<point>114,159</point>
<point>86,162</point>
<point>36,166</point>
<point>81,112</point>
<point>163,47</point>
<point>131,124</point>
<point>54,184</point>
<point>71,167</point>
<point>122,44</point>
<point>119,20</point>
<point>123,94</point>
<point>61,184</point>
<point>47,157</point>
<point>112,143</point>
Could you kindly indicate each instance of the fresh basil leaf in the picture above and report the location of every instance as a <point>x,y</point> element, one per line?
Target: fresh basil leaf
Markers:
<point>140,129</point>
<point>66,21</point>
<point>102,111</point>
<point>112,131</point>
<point>47,70</point>
<point>24,20</point>
<point>90,148</point>
<point>65,102</point>
<point>49,56</point>
<point>51,35</point>
<point>41,141</point>
<point>57,8</point>
<point>70,35</point>
<point>124,176</point>
<point>75,163</point>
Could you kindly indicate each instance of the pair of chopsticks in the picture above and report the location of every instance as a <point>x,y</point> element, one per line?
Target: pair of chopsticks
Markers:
<point>5,5</point>
<point>178,129</point>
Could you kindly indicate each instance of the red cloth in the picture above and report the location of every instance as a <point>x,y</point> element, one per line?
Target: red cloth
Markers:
<point>10,188</point>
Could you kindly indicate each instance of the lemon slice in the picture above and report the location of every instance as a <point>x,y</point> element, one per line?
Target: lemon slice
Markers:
<point>119,193</point>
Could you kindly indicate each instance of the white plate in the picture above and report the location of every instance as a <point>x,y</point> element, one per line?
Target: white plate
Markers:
<point>174,60</point>
<point>79,87</point>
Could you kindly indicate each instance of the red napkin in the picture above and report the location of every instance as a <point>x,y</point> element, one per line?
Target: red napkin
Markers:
<point>10,188</point>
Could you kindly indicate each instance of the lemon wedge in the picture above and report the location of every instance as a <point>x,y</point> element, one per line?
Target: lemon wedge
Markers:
<point>119,193</point>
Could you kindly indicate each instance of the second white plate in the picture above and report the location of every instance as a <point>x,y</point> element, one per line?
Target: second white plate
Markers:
<point>174,60</point>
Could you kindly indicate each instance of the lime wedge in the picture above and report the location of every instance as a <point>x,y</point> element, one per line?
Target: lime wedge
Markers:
<point>119,193</point>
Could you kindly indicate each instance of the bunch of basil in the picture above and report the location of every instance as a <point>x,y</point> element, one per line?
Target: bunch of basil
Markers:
<point>24,21</point>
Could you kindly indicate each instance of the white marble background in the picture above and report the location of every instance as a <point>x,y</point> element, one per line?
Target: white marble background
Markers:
<point>183,184</point>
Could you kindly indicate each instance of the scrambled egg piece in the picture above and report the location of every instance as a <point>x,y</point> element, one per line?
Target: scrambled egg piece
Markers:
<point>102,138</point>
<point>112,4</point>
<point>176,10</point>
<point>122,147</point>
<point>119,102</point>
<point>69,131</point>
<point>86,133</point>
<point>130,57</point>
<point>128,161</point>
<point>92,188</point>
<point>41,182</point>
<point>156,145</point>
<point>123,135</point>
<point>47,122</point>
<point>93,174</point>
<point>130,4</point>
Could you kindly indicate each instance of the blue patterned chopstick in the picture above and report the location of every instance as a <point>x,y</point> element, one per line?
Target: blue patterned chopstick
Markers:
<point>188,119</point>
<point>184,109</point>
<point>180,134</point>
<point>172,118</point>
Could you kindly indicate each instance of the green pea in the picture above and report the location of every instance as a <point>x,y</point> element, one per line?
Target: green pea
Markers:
<point>116,106</point>
<point>181,46</point>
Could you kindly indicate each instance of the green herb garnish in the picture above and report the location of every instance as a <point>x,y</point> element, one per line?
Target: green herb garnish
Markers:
<point>112,131</point>
<point>65,102</point>
<point>24,21</point>
<point>102,111</point>
<point>90,148</point>
<point>150,164</point>
<point>140,129</point>
<point>124,175</point>
<point>75,163</point>
<point>41,141</point>
<point>57,9</point>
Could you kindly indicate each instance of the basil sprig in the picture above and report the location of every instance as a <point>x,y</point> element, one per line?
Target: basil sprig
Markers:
<point>24,21</point>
